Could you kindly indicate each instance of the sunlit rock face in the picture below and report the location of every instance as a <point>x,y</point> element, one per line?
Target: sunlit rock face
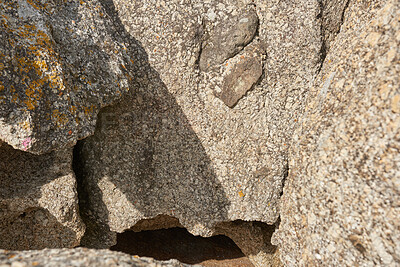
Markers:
<point>61,61</point>
<point>202,142</point>
<point>340,205</point>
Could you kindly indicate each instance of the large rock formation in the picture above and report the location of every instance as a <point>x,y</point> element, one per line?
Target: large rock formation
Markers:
<point>202,144</point>
<point>79,257</point>
<point>38,200</point>
<point>60,63</point>
<point>341,201</point>
<point>190,109</point>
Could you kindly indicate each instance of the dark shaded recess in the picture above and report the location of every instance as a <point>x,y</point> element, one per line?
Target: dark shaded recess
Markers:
<point>330,25</point>
<point>178,243</point>
<point>26,232</point>
<point>22,175</point>
<point>252,237</point>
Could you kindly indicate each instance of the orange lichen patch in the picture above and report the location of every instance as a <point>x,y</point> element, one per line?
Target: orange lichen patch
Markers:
<point>89,110</point>
<point>36,4</point>
<point>15,97</point>
<point>241,194</point>
<point>36,63</point>
<point>73,109</point>
<point>59,119</point>
<point>56,81</point>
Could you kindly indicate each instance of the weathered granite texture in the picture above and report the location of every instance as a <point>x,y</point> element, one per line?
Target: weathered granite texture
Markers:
<point>172,146</point>
<point>228,37</point>
<point>332,15</point>
<point>79,257</point>
<point>38,200</point>
<point>60,63</point>
<point>254,240</point>
<point>341,202</point>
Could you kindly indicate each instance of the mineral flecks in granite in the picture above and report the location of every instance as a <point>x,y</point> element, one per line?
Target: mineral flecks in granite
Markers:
<point>340,204</point>
<point>38,200</point>
<point>172,146</point>
<point>79,257</point>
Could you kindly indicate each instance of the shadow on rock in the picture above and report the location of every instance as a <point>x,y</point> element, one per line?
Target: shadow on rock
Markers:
<point>144,160</point>
<point>38,201</point>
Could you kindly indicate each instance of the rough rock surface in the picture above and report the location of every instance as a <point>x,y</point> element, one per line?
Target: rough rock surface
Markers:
<point>38,200</point>
<point>341,202</point>
<point>79,257</point>
<point>332,15</point>
<point>241,74</point>
<point>172,146</point>
<point>228,37</point>
<point>60,62</point>
<point>254,240</point>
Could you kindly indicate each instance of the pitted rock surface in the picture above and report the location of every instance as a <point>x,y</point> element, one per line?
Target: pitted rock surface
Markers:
<point>172,146</point>
<point>38,200</point>
<point>79,257</point>
<point>228,37</point>
<point>241,74</point>
<point>340,204</point>
<point>254,239</point>
<point>60,63</point>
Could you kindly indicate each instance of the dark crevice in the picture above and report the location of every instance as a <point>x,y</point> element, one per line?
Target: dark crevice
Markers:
<point>200,37</point>
<point>326,32</point>
<point>285,176</point>
<point>78,170</point>
<point>342,17</point>
<point>88,218</point>
<point>323,50</point>
<point>257,34</point>
<point>178,243</point>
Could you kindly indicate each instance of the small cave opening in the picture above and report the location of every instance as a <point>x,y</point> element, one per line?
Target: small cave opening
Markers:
<point>178,243</point>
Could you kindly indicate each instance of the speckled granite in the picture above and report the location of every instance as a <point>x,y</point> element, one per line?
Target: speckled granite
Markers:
<point>341,201</point>
<point>190,142</point>
<point>254,239</point>
<point>60,62</point>
<point>38,200</point>
<point>199,105</point>
<point>79,257</point>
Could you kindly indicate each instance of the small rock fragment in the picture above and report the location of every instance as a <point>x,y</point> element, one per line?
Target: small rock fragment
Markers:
<point>229,37</point>
<point>241,77</point>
